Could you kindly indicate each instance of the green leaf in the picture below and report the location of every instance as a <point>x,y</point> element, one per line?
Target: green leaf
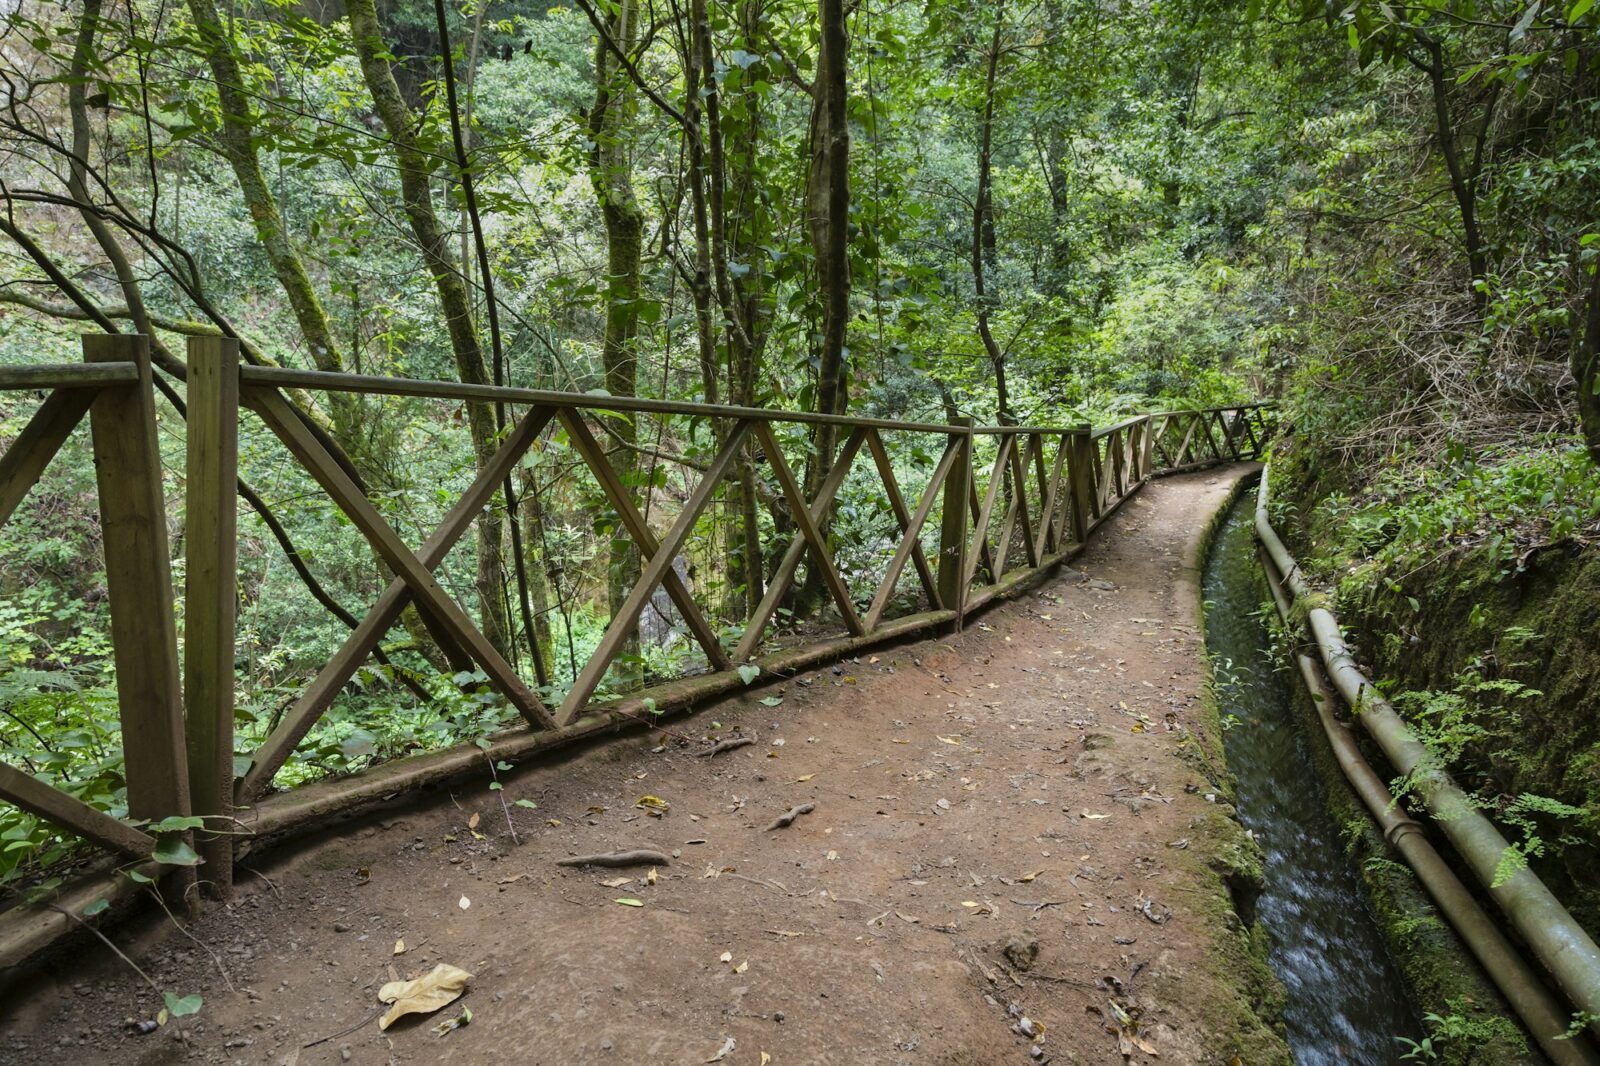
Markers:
<point>628,901</point>
<point>174,852</point>
<point>178,823</point>
<point>180,1007</point>
<point>495,786</point>
<point>97,907</point>
<point>1578,10</point>
<point>532,806</point>
<point>771,701</point>
<point>748,672</point>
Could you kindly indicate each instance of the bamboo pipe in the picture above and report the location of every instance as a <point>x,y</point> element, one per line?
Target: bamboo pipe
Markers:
<point>1522,988</point>
<point>1559,942</point>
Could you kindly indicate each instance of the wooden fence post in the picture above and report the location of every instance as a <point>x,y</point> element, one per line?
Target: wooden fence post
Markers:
<point>211,595</point>
<point>1146,448</point>
<point>1080,472</point>
<point>953,526</point>
<point>133,526</point>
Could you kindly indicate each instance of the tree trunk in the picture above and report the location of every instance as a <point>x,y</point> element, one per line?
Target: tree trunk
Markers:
<point>983,244</point>
<point>828,212</point>
<point>415,171</point>
<point>1463,182</point>
<point>611,174</point>
<point>1586,372</point>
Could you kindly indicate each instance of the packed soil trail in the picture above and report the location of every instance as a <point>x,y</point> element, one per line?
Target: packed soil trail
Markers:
<point>1032,779</point>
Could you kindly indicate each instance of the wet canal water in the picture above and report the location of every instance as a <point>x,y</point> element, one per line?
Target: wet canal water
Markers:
<point>1347,1001</point>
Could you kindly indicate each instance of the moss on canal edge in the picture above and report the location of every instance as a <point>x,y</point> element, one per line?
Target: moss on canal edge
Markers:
<point>1247,1027</point>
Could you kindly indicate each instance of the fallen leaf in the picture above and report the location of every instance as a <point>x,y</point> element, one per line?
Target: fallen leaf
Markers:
<point>650,878</point>
<point>1086,814</point>
<point>439,986</point>
<point>765,1058</point>
<point>627,901</point>
<point>472,823</point>
<point>953,739</point>
<point>904,917</point>
<point>465,903</point>
<point>802,780</point>
<point>616,882</point>
<point>729,1044</point>
<point>653,805</point>
<point>597,810</point>
<point>399,947</point>
<point>726,956</point>
<point>552,822</point>
<point>742,967</point>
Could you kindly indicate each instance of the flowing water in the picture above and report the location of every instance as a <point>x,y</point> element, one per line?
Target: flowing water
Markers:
<point>1347,1001</point>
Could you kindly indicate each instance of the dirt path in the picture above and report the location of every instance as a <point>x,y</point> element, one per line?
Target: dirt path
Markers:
<point>1032,779</point>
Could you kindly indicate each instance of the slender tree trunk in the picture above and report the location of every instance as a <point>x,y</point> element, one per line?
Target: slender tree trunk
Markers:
<point>1463,180</point>
<point>1586,372</point>
<point>983,242</point>
<point>611,174</point>
<point>828,212</point>
<point>416,171</point>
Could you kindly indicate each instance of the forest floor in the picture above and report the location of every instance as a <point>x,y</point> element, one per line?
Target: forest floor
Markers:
<point>1024,782</point>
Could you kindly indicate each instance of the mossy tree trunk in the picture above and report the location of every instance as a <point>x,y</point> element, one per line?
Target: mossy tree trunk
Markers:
<point>611,123</point>
<point>416,171</point>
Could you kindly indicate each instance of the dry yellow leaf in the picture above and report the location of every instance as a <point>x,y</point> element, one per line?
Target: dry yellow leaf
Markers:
<point>650,878</point>
<point>472,823</point>
<point>742,967</point>
<point>439,986</point>
<point>954,739</point>
<point>399,947</point>
<point>804,779</point>
<point>1025,878</point>
<point>765,1058</point>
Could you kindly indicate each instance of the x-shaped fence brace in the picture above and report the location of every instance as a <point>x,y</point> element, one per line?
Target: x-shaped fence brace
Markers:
<point>1049,486</point>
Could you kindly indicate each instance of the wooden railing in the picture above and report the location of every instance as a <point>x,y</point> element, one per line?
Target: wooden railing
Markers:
<point>1040,493</point>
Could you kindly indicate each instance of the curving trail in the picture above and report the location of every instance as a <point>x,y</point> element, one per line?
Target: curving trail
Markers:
<point>1036,778</point>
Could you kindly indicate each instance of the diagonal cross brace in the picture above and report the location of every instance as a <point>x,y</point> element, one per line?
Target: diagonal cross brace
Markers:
<point>593,455</point>
<point>276,749</point>
<point>627,614</point>
<point>904,518</point>
<point>809,528</point>
<point>783,575</point>
<point>430,595</point>
<point>24,462</point>
<point>911,529</point>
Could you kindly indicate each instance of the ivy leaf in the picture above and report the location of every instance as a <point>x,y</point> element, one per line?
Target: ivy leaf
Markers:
<point>748,672</point>
<point>174,852</point>
<point>180,1007</point>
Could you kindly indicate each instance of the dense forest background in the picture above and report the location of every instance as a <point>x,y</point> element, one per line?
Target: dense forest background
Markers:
<point>1380,216</point>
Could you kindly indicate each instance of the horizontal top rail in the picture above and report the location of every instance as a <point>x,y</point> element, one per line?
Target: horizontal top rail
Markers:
<point>1124,424</point>
<point>328,381</point>
<point>1212,410</point>
<point>1000,430</point>
<point>67,376</point>
<point>332,381</point>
